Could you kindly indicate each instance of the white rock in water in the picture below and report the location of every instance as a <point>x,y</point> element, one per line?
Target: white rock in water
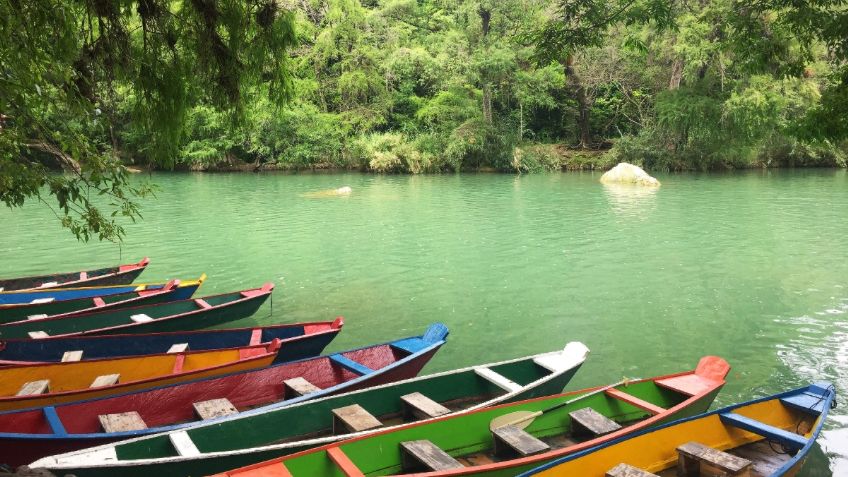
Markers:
<point>344,190</point>
<point>625,173</point>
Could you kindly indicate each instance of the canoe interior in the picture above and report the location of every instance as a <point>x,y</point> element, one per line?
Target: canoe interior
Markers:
<point>65,377</point>
<point>314,419</point>
<point>655,450</point>
<point>183,291</point>
<point>19,298</point>
<point>111,346</point>
<point>116,318</point>
<point>468,438</point>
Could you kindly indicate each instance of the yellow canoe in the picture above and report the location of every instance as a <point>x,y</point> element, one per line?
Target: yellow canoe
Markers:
<point>47,384</point>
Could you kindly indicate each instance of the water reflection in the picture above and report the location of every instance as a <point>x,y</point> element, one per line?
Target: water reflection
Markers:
<point>631,200</point>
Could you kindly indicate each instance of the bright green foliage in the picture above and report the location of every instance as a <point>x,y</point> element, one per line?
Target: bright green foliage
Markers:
<point>83,81</point>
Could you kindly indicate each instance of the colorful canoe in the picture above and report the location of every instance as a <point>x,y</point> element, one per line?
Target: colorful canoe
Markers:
<point>48,384</point>
<point>767,437</point>
<point>256,436</point>
<point>299,340</point>
<point>463,444</point>
<point>8,299</point>
<point>120,275</point>
<point>76,425</point>
<point>171,291</point>
<point>183,315</point>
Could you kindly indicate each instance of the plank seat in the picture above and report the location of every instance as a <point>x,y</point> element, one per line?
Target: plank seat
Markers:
<point>811,401</point>
<point>627,470</point>
<point>512,438</point>
<point>299,387</point>
<point>417,453</point>
<point>692,454</point>
<point>48,284</point>
<point>202,303</point>
<point>350,364</point>
<point>54,421</point>
<point>98,302</point>
<point>122,422</point>
<point>183,444</point>
<point>554,362</point>
<point>39,301</point>
<point>688,384</point>
<point>498,380</point>
<point>178,348</point>
<point>214,408</point>
<point>255,336</point>
<point>70,356</point>
<point>588,421</point>
<point>353,418</point>
<point>419,406</point>
<point>33,388</point>
<point>342,461</point>
<point>1,289</point>
<point>105,380</point>
<point>788,439</point>
<point>141,318</point>
<point>634,401</point>
<point>39,316</point>
<point>83,276</point>
<point>37,335</point>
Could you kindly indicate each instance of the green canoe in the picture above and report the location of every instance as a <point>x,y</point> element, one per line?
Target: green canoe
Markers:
<point>183,315</point>
<point>251,437</point>
<point>172,291</point>
<point>488,442</point>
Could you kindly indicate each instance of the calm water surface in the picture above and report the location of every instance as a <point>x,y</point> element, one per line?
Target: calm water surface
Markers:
<point>752,267</point>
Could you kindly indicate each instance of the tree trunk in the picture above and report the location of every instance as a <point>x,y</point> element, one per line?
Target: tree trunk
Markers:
<point>487,103</point>
<point>676,74</point>
<point>575,84</point>
<point>485,19</point>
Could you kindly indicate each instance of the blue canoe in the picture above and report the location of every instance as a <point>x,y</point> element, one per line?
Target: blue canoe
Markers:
<point>299,340</point>
<point>60,294</point>
<point>773,435</point>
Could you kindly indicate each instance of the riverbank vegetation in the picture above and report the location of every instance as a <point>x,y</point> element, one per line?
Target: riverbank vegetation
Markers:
<point>408,86</point>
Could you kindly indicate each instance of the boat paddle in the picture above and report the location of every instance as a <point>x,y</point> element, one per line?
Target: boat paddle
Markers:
<point>522,419</point>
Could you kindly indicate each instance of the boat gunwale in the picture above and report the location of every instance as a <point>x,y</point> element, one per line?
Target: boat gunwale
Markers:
<point>826,401</point>
<point>331,439</point>
<point>115,271</point>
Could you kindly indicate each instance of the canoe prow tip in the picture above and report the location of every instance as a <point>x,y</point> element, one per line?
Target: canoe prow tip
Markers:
<point>713,368</point>
<point>338,323</point>
<point>435,333</point>
<point>144,261</point>
<point>575,350</point>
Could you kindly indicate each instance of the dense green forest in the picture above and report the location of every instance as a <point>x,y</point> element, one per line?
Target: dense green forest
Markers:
<point>448,85</point>
<point>407,86</point>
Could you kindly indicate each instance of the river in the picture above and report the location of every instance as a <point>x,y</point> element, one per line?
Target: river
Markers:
<point>749,266</point>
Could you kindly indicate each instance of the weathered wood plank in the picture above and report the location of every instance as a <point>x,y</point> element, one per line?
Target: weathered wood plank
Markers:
<point>692,454</point>
<point>214,408</point>
<point>141,318</point>
<point>626,470</point>
<point>297,387</point>
<point>105,380</point>
<point>424,452</point>
<point>587,420</point>
<point>353,418</point>
<point>178,348</point>
<point>69,356</point>
<point>420,406</point>
<point>122,422</point>
<point>512,438</point>
<point>34,387</point>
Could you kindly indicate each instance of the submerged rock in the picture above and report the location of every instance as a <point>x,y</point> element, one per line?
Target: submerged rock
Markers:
<point>341,191</point>
<point>625,173</point>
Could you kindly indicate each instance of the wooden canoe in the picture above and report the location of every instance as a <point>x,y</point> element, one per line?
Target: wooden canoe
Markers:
<point>29,297</point>
<point>183,315</point>
<point>463,444</point>
<point>48,384</point>
<point>171,291</point>
<point>119,275</point>
<point>254,392</point>
<point>298,340</point>
<point>767,437</point>
<point>256,436</point>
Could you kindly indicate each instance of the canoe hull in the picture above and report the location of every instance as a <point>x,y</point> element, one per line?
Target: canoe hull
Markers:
<point>60,294</point>
<point>120,275</point>
<point>300,340</point>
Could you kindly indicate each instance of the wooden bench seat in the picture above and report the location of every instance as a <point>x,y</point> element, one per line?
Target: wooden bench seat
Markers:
<point>498,380</point>
<point>39,301</point>
<point>202,303</point>
<point>626,470</point>
<point>70,356</point>
<point>419,406</point>
<point>122,422</point>
<point>790,440</point>
<point>214,408</point>
<point>634,401</point>
<point>693,454</point>
<point>33,388</point>
<point>588,421</point>
<point>141,318</point>
<point>105,380</point>
<point>350,364</point>
<point>178,348</point>
<point>183,444</point>
<point>353,418</point>
<point>424,453</point>
<point>511,438</point>
<point>37,335</point>
<point>296,387</point>
<point>39,316</point>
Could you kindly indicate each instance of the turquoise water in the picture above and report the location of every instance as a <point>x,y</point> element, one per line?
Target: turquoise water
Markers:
<point>751,266</point>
